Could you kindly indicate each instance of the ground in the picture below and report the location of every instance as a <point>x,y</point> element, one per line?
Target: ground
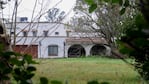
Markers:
<point>81,70</point>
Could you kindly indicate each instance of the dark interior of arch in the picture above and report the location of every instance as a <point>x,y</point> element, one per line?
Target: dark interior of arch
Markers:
<point>98,50</point>
<point>1,29</point>
<point>76,51</point>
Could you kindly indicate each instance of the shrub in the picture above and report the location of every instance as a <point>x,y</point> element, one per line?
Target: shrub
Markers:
<point>19,66</point>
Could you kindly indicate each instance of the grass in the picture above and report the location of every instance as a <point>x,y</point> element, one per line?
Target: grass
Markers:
<point>81,70</point>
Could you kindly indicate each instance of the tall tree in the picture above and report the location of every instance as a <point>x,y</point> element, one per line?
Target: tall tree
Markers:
<point>105,20</point>
<point>134,41</point>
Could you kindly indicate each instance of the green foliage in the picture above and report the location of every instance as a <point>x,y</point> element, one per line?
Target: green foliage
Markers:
<point>93,82</point>
<point>21,69</point>
<point>89,2</point>
<point>92,8</point>
<point>18,66</point>
<point>135,43</point>
<point>122,11</point>
<point>43,80</point>
<point>92,5</point>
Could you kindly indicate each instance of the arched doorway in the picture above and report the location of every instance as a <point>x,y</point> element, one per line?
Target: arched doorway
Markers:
<point>76,51</point>
<point>98,50</point>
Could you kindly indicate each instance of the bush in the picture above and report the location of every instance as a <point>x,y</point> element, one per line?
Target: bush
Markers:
<point>19,66</point>
<point>135,43</point>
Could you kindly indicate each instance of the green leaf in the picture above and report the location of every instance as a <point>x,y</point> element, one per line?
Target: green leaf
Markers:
<point>1,47</point>
<point>120,2</point>
<point>122,11</point>
<point>115,1</point>
<point>18,54</point>
<point>92,8</point>
<point>28,58</point>
<point>15,61</point>
<point>124,49</point>
<point>141,42</point>
<point>31,68</point>
<point>5,78</point>
<point>93,82</point>
<point>16,77</point>
<point>26,82</point>
<point>17,71</point>
<point>43,80</point>
<point>141,22</point>
<point>2,65</point>
<point>106,1</point>
<point>126,4</point>
<point>89,2</point>
<point>7,71</point>
<point>29,76</point>
<point>7,55</point>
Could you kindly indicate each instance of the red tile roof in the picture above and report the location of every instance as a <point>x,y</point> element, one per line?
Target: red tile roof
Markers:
<point>87,40</point>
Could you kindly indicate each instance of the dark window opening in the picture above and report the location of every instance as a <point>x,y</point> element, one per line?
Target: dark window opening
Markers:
<point>56,33</point>
<point>34,33</point>
<point>11,33</point>
<point>25,33</point>
<point>53,50</point>
<point>45,33</point>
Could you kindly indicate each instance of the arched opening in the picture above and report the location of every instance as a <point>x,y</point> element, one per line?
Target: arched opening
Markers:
<point>1,29</point>
<point>98,50</point>
<point>76,51</point>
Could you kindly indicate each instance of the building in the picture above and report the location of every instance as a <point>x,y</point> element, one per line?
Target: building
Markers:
<point>53,40</point>
<point>40,39</point>
<point>85,44</point>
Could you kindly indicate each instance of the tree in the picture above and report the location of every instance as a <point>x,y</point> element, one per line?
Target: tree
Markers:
<point>134,42</point>
<point>105,20</point>
<point>55,15</point>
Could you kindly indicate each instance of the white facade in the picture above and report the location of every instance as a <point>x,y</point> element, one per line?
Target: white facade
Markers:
<point>53,40</point>
<point>42,34</point>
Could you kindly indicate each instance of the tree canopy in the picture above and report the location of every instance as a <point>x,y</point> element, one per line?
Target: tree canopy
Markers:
<point>134,41</point>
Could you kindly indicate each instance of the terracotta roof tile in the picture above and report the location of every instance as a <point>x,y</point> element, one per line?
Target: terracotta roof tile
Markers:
<point>86,40</point>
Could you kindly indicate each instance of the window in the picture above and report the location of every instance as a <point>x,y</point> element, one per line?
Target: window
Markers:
<point>45,33</point>
<point>12,33</point>
<point>56,33</point>
<point>34,32</point>
<point>25,33</point>
<point>53,50</point>
<point>23,19</point>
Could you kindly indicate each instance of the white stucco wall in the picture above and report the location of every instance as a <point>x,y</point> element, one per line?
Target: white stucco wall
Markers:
<point>40,40</point>
<point>52,39</point>
<point>40,27</point>
<point>43,50</point>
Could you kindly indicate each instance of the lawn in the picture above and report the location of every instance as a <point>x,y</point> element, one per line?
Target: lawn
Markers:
<point>81,70</point>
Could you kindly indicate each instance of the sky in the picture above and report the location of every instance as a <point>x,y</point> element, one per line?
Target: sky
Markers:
<point>25,8</point>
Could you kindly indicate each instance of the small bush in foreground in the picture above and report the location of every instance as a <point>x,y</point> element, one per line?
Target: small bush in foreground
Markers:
<point>17,66</point>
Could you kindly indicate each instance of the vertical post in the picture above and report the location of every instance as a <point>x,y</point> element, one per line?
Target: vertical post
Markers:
<point>40,44</point>
<point>16,10</point>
